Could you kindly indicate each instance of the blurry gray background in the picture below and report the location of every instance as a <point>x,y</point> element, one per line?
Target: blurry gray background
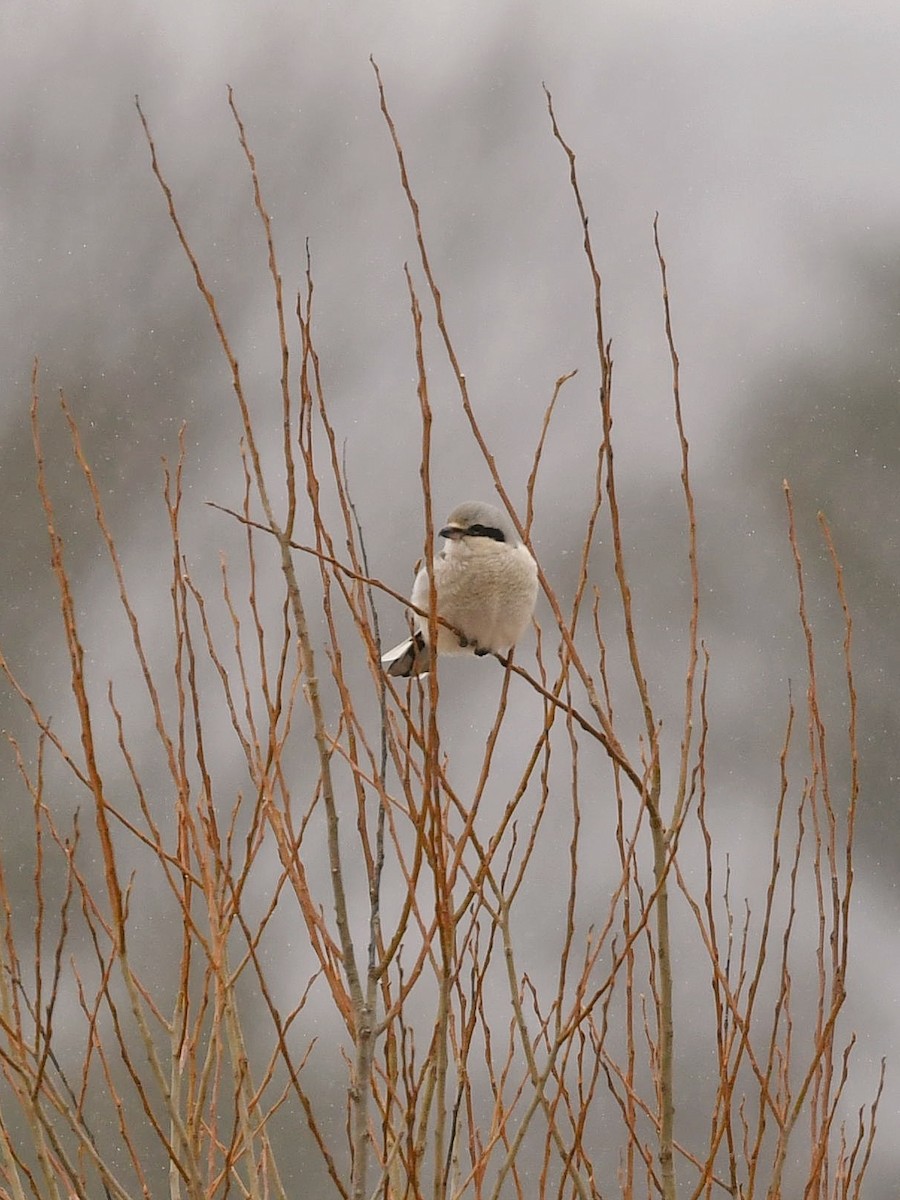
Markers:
<point>765,136</point>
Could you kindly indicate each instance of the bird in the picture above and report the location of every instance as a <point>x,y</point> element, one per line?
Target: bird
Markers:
<point>486,584</point>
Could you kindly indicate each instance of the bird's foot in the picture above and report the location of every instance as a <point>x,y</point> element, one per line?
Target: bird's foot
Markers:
<point>467,643</point>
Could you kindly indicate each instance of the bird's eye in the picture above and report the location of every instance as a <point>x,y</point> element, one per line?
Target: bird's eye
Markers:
<point>488,531</point>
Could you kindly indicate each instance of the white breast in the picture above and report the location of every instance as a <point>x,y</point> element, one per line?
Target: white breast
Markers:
<point>486,589</point>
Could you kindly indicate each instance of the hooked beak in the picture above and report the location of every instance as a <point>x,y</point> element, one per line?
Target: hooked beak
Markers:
<point>452,532</point>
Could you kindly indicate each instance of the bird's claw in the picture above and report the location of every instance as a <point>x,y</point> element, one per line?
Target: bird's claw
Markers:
<point>470,643</point>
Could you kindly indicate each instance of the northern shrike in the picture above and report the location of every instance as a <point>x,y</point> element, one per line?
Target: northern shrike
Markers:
<point>486,584</point>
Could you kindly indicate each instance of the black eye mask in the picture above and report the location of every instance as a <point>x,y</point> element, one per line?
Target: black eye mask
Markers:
<point>487,531</point>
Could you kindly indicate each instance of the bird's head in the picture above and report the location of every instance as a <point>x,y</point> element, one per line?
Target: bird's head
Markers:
<point>477,519</point>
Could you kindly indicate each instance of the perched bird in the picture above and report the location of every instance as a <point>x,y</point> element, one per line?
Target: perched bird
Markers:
<point>486,584</point>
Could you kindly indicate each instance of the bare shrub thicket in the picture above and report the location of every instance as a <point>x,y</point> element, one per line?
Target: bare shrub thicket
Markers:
<point>407,1039</point>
